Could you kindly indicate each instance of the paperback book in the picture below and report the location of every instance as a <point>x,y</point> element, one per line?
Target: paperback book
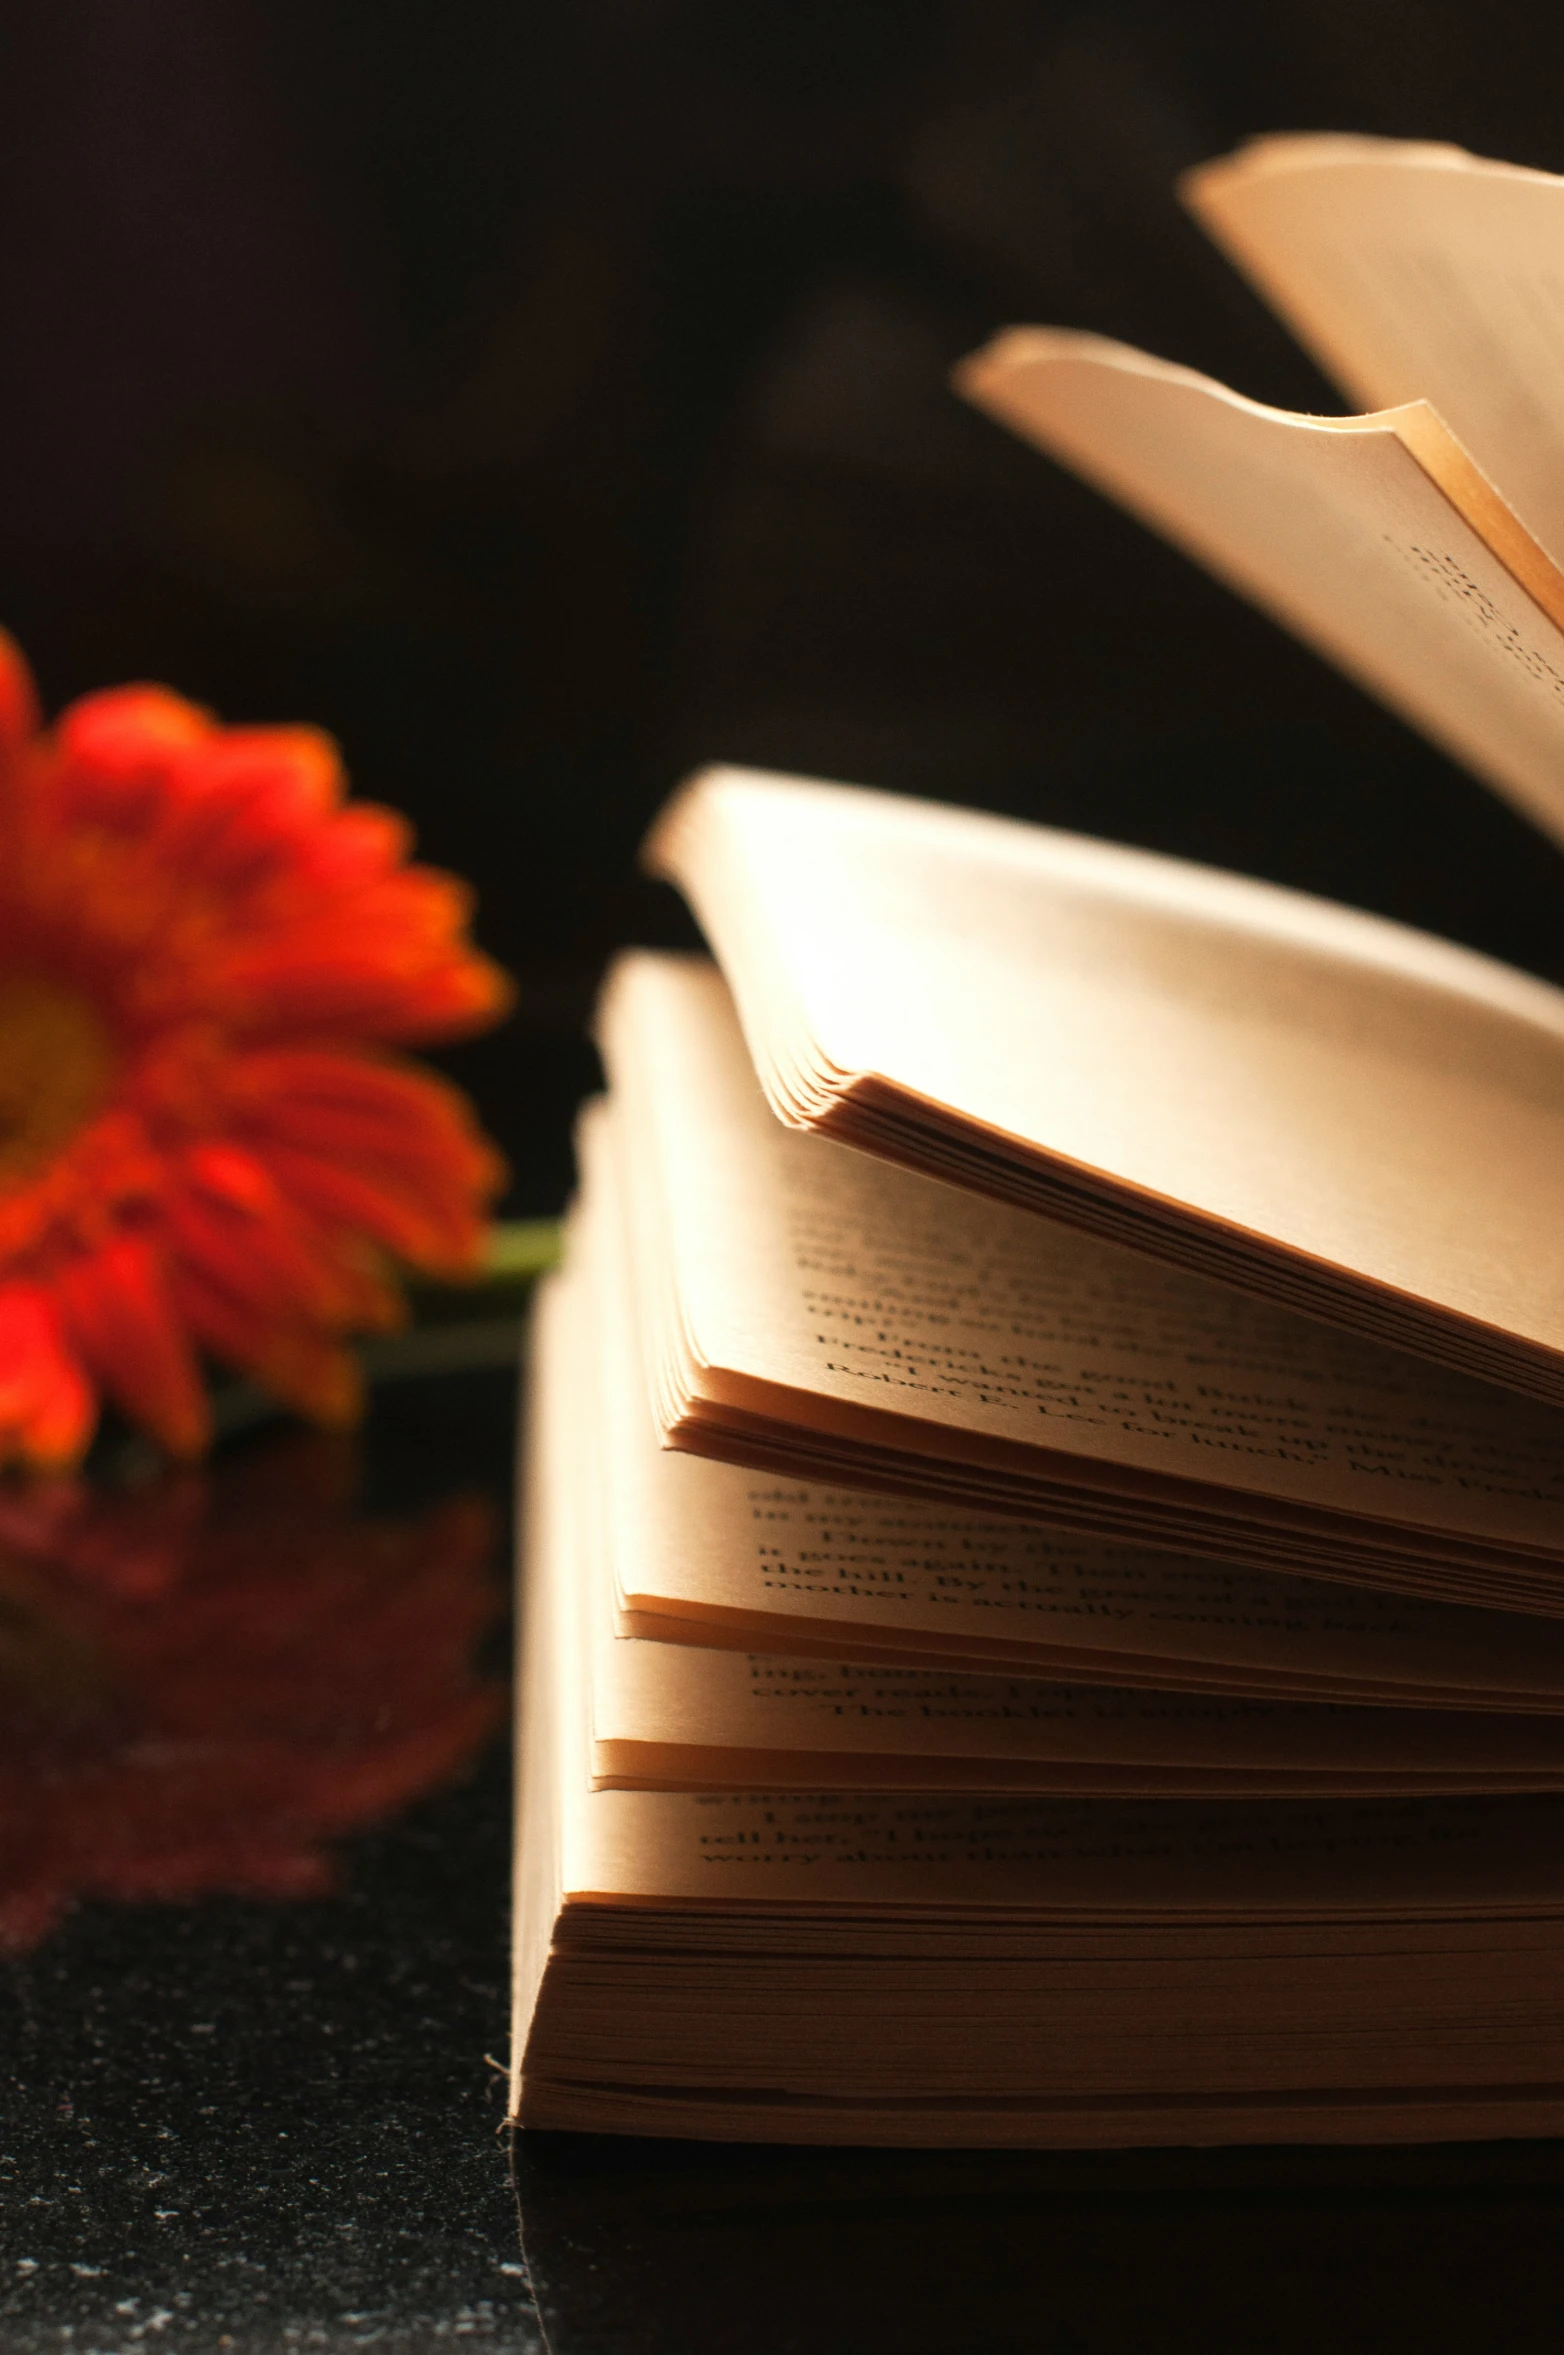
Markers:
<point>1043,1612</point>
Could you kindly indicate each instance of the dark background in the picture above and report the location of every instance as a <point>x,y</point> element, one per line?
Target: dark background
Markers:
<point>548,398</point>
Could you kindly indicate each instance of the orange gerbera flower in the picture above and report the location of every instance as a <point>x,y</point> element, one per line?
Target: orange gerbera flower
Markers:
<point>205,1146</point>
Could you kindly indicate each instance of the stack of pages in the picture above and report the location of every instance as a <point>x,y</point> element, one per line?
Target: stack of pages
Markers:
<point>1044,1565</point>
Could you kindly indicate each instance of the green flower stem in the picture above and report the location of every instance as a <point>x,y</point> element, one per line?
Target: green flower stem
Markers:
<point>518,1252</point>
<point>521,1249</point>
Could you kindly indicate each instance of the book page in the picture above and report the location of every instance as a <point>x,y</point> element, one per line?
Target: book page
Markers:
<point>1279,1075</point>
<point>1030,1859</point>
<point>1359,534</point>
<point>1240,1859</point>
<point>813,1274</point>
<point>669,1716</point>
<point>678,1716</point>
<point>672,1716</point>
<point>1413,271</point>
<point>548,1697</point>
<point>716,1553</point>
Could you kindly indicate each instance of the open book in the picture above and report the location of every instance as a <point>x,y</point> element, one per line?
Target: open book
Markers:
<point>1183,1676</point>
<point>1331,1111</point>
<point>1417,545</point>
<point>847,1816</point>
<point>768,1898</point>
<point>701,1553</point>
<point>823,1314</point>
<point>1044,1601</point>
<point>1334,1112</point>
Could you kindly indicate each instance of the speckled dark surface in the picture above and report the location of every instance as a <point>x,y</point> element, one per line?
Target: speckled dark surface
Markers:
<point>242,2126</point>
<point>232,2124</point>
<point>237,2126</point>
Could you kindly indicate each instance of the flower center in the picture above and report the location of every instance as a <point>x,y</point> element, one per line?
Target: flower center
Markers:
<point>56,1063</point>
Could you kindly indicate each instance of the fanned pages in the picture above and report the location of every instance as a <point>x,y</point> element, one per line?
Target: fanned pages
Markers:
<point>1333,1112</point>
<point>1414,272</point>
<point>680,1716</point>
<point>1375,539</point>
<point>1044,1565</point>
<point>868,1967</point>
<point>815,1312</point>
<point>702,1553</point>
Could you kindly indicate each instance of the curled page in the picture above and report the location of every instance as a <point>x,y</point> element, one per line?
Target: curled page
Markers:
<point>1377,539</point>
<point>1314,1105</point>
<point>1414,271</point>
<point>812,1311</point>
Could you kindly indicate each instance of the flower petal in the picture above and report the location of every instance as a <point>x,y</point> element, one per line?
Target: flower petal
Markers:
<point>387,965</point>
<point>257,798</point>
<point>442,1238</point>
<point>369,1145</point>
<point>117,1307</point>
<point>245,940</point>
<point>19,714</point>
<point>367,1112</point>
<point>46,1403</point>
<point>268,1255</point>
<point>305,1368</point>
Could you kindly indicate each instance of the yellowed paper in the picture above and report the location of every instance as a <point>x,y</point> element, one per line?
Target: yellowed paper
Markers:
<point>709,1553</point>
<point>1371,538</point>
<point>1329,1110</point>
<point>1414,271</point>
<point>847,1967</point>
<point>1372,1860</point>
<point>862,1316</point>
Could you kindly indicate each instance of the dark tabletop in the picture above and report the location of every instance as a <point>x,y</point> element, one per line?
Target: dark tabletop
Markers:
<point>267,2123</point>
<point>232,2122</point>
